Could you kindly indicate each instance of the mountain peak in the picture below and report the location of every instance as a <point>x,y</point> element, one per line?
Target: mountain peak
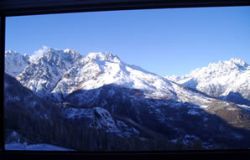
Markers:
<point>220,78</point>
<point>15,62</point>
<point>47,52</point>
<point>70,51</point>
<point>47,65</point>
<point>223,67</point>
<point>40,53</point>
<point>102,56</point>
<point>237,61</point>
<point>11,52</point>
<point>231,62</point>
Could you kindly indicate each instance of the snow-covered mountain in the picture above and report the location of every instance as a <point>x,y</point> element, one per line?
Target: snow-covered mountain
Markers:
<point>46,68</point>
<point>222,79</point>
<point>58,73</point>
<point>61,72</point>
<point>99,94</point>
<point>15,62</point>
<point>98,69</point>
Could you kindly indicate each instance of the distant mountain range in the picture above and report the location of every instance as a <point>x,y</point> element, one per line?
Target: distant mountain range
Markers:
<point>99,94</point>
<point>228,80</point>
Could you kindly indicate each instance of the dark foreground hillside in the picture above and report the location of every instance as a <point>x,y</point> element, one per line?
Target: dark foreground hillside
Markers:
<point>124,120</point>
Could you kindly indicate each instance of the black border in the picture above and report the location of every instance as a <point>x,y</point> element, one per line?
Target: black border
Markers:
<point>31,7</point>
<point>186,155</point>
<point>2,50</point>
<point>35,7</point>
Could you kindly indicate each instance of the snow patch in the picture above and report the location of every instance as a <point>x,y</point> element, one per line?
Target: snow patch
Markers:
<point>193,112</point>
<point>34,147</point>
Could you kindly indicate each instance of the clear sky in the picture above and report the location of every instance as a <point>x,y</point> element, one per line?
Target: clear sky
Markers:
<point>163,41</point>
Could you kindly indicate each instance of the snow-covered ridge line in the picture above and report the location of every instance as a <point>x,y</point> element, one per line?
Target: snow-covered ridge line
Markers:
<point>46,67</point>
<point>64,71</point>
<point>219,79</point>
<point>102,94</point>
<point>47,52</point>
<point>61,72</point>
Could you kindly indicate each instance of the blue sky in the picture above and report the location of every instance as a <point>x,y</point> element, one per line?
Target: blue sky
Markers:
<point>163,41</point>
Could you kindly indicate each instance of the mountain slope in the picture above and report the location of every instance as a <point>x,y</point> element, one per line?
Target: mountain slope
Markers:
<point>98,69</point>
<point>224,79</point>
<point>99,99</point>
<point>46,68</point>
<point>41,121</point>
<point>19,98</point>
<point>25,112</point>
<point>15,63</point>
<point>170,119</point>
<point>61,72</point>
